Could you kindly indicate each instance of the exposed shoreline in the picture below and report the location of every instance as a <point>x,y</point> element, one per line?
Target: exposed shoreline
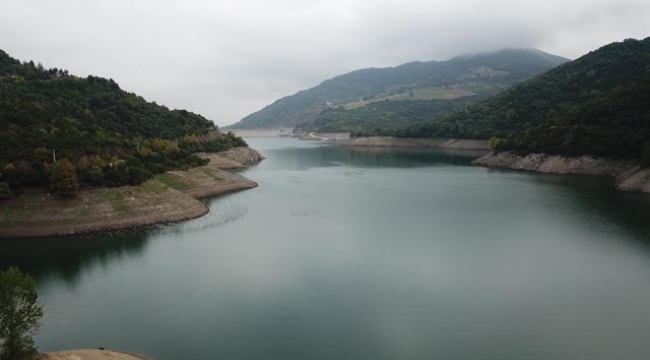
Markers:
<point>628,175</point>
<point>92,354</point>
<point>170,197</point>
<point>385,141</point>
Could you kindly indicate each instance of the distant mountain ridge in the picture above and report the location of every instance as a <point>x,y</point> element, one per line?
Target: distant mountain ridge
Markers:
<point>598,105</point>
<point>479,74</point>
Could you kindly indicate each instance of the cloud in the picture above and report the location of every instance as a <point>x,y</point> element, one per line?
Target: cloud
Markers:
<point>229,58</point>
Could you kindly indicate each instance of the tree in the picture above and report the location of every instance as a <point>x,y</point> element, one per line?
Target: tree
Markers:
<point>63,180</point>
<point>20,315</point>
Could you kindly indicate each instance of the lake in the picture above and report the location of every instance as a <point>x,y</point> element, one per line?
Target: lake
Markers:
<point>345,253</point>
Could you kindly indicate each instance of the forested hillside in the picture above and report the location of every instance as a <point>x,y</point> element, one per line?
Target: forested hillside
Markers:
<point>598,104</point>
<point>385,116</point>
<point>99,134</point>
<point>482,74</point>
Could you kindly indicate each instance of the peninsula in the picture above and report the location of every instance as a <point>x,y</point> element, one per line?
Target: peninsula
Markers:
<point>169,197</point>
<point>82,155</point>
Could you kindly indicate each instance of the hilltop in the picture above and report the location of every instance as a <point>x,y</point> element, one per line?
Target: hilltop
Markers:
<point>68,132</point>
<point>461,80</point>
<point>595,105</point>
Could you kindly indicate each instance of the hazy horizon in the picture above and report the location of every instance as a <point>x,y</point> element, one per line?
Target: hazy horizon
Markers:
<point>226,60</point>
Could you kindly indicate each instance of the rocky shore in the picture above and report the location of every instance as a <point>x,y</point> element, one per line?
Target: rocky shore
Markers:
<point>236,158</point>
<point>169,197</point>
<point>635,179</point>
<point>91,354</point>
<point>452,144</point>
<point>629,176</point>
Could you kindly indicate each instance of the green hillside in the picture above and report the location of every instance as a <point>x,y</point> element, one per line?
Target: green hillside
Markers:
<point>108,137</point>
<point>385,116</point>
<point>482,74</point>
<point>598,104</point>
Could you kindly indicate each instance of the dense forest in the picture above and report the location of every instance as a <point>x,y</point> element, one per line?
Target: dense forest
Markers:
<point>67,132</point>
<point>479,74</point>
<point>598,104</point>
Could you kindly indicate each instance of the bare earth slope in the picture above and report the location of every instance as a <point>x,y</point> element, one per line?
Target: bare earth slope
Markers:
<point>170,197</point>
<point>91,354</point>
<point>385,141</point>
<point>629,177</point>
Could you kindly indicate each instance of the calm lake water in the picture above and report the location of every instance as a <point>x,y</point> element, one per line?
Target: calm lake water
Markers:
<point>363,254</point>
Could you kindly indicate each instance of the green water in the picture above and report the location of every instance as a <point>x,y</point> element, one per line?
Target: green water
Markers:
<point>363,254</point>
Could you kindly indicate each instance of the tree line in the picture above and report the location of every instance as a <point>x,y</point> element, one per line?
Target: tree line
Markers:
<point>54,125</point>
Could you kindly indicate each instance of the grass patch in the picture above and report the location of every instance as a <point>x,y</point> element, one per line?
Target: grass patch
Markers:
<point>214,174</point>
<point>428,93</point>
<point>153,186</point>
<point>18,207</point>
<point>117,197</point>
<point>110,195</point>
<point>172,182</point>
<point>432,93</point>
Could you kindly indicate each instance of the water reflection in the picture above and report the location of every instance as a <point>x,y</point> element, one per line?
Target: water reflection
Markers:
<point>328,155</point>
<point>594,200</point>
<point>68,257</point>
<point>627,210</point>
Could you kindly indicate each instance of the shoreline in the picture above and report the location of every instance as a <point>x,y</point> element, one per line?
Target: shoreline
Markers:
<point>344,139</point>
<point>629,175</point>
<point>167,198</point>
<point>386,141</point>
<point>92,354</point>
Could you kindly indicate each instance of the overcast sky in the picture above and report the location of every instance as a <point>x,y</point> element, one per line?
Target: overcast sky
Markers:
<point>227,58</point>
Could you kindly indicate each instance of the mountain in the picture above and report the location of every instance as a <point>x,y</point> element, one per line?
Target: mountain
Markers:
<point>384,116</point>
<point>463,76</point>
<point>598,104</point>
<point>107,136</point>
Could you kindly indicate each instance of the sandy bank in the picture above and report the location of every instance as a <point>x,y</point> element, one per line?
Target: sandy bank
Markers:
<point>169,197</point>
<point>629,177</point>
<point>384,141</point>
<point>91,354</point>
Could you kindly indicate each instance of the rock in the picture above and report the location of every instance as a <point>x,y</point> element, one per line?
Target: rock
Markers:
<point>243,155</point>
<point>635,179</point>
<point>629,177</point>
<point>555,164</point>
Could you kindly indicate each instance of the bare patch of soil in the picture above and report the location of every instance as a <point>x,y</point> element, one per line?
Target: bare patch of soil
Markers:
<point>385,141</point>
<point>91,354</point>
